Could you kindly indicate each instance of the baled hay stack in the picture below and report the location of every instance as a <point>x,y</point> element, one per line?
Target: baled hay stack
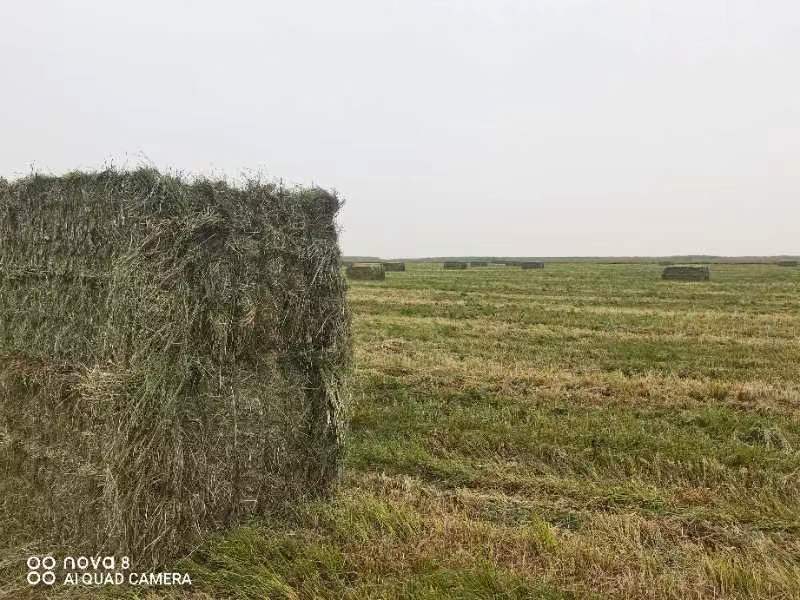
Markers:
<point>394,266</point>
<point>172,356</point>
<point>454,264</point>
<point>684,273</point>
<point>366,271</point>
<point>788,263</point>
<point>665,263</point>
<point>532,265</point>
<point>478,263</point>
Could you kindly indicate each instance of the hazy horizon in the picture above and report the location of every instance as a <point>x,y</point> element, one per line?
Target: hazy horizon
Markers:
<point>511,128</point>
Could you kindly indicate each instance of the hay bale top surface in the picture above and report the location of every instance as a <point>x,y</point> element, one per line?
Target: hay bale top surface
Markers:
<point>686,273</point>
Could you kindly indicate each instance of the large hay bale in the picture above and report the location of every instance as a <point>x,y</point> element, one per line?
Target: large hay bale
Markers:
<point>787,263</point>
<point>394,266</point>
<point>366,271</point>
<point>454,264</point>
<point>531,265</point>
<point>172,356</point>
<point>685,273</point>
<point>478,263</point>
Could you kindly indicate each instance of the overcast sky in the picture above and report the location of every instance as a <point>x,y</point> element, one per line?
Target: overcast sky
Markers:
<point>501,127</point>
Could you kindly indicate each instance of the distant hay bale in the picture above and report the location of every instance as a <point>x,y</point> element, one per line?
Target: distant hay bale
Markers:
<point>366,271</point>
<point>684,273</point>
<point>665,263</point>
<point>172,356</point>
<point>394,266</point>
<point>787,263</point>
<point>454,264</point>
<point>532,265</point>
<point>478,263</point>
<point>511,263</point>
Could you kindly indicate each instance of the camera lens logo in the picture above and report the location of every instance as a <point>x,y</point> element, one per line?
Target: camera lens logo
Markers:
<point>46,565</point>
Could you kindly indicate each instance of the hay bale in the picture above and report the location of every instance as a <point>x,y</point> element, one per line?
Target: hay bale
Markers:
<point>478,263</point>
<point>366,271</point>
<point>454,264</point>
<point>531,265</point>
<point>685,273</point>
<point>665,263</point>
<point>394,266</point>
<point>787,263</point>
<point>172,356</point>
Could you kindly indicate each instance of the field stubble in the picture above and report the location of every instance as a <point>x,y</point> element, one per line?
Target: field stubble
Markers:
<point>582,431</point>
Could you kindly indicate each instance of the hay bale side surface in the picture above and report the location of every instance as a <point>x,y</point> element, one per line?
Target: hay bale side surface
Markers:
<point>366,272</point>
<point>394,266</point>
<point>683,273</point>
<point>172,356</point>
<point>453,264</point>
<point>478,263</point>
<point>532,265</point>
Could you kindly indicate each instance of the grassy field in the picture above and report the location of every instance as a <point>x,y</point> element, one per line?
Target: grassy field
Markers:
<point>583,431</point>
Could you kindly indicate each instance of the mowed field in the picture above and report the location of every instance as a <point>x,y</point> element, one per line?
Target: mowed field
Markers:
<point>582,431</point>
